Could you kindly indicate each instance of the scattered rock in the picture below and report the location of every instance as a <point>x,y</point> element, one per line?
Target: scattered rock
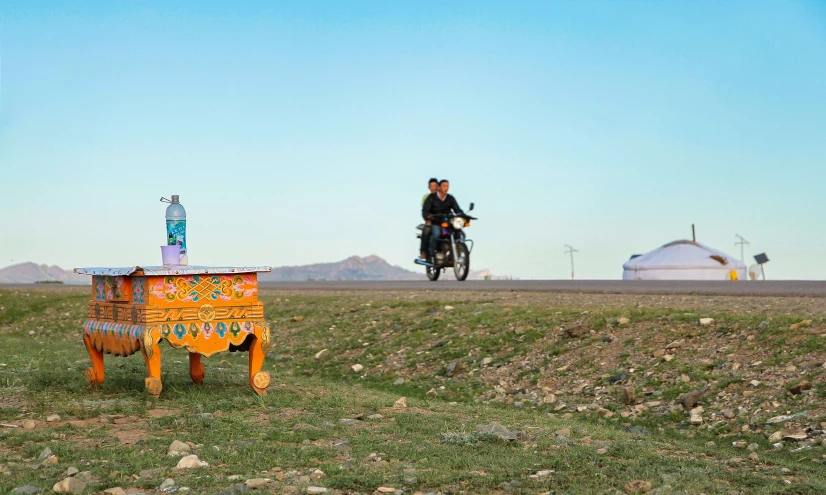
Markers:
<point>374,417</point>
<point>43,455</point>
<point>658,353</point>
<point>628,395</point>
<point>167,486</point>
<point>753,447</point>
<point>778,419</point>
<point>431,393</point>
<point>399,381</point>
<point>224,364</point>
<point>795,435</point>
<point>447,308</point>
<point>563,440</point>
<point>486,361</point>
<point>356,368</point>
<point>578,330</point>
<point>236,490</point>
<point>638,486</point>
<point>710,444</point>
<point>499,431</point>
<point>86,477</point>
<point>296,319</point>
<point>602,451</point>
<point>636,430</point>
<point>178,448</point>
<point>256,483</point>
<point>739,444</point>
<point>619,377</point>
<point>691,399</point>
<point>316,490</point>
<point>29,425</point>
<point>776,437</point>
<point>114,491</point>
<point>696,417</point>
<point>317,474</point>
<point>549,399</point>
<point>401,403</point>
<point>26,490</point>
<point>451,368</point>
<point>191,462</point>
<point>801,387</point>
<point>706,321</point>
<point>387,489</point>
<point>69,485</point>
<point>53,418</point>
<point>49,461</point>
<point>623,321</point>
<point>151,473</point>
<point>323,353</point>
<point>728,414</point>
<point>72,471</point>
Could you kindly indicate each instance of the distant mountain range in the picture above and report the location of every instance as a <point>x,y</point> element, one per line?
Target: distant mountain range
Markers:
<point>29,273</point>
<point>353,268</point>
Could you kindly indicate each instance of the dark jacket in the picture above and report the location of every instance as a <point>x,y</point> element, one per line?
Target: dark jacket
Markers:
<point>435,206</point>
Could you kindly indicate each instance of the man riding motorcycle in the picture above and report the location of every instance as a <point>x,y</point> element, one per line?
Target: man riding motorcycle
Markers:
<point>436,206</point>
<point>433,185</point>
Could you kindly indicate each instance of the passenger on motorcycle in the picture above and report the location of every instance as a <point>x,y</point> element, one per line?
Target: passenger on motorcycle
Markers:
<point>436,207</point>
<point>433,185</point>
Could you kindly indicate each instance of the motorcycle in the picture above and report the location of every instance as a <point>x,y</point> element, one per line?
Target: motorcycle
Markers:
<point>452,250</point>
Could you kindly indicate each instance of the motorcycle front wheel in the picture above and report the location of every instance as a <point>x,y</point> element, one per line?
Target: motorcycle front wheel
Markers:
<point>433,273</point>
<point>461,263</point>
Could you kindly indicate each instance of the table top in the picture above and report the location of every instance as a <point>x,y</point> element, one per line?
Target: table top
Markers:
<point>171,270</point>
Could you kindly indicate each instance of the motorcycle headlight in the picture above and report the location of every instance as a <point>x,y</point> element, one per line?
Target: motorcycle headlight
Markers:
<point>458,223</point>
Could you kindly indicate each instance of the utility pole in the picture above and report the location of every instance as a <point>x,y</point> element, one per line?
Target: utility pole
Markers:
<point>742,242</point>
<point>570,250</point>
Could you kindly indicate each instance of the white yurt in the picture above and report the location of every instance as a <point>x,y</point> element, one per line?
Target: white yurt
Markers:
<point>684,260</point>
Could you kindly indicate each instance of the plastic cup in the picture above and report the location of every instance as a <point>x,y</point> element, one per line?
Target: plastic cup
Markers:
<point>171,254</point>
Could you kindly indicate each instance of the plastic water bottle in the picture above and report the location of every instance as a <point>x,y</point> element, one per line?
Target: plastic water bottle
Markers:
<point>176,226</point>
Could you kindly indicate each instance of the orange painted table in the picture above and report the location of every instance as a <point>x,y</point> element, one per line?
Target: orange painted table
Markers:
<point>203,309</point>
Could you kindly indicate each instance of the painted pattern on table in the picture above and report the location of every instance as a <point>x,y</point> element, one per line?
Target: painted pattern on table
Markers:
<point>110,329</point>
<point>194,288</point>
<point>99,281</point>
<point>177,331</point>
<point>221,329</point>
<point>139,290</point>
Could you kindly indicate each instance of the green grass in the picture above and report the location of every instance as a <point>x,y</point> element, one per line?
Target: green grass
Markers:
<point>297,427</point>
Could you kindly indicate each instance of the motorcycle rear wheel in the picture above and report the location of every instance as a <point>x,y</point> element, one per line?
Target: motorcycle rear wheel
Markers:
<point>433,273</point>
<point>461,262</point>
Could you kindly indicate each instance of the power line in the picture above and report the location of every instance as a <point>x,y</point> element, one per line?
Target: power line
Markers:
<point>742,242</point>
<point>571,251</point>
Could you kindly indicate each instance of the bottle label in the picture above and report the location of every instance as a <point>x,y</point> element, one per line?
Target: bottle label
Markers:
<point>176,234</point>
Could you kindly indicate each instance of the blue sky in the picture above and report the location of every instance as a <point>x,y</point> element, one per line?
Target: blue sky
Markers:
<point>300,132</point>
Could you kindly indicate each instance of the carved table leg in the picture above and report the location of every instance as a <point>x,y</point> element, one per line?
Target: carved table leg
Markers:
<point>152,356</point>
<point>93,375</point>
<point>259,380</point>
<point>196,368</point>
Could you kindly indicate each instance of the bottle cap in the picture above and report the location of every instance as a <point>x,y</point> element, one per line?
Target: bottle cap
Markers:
<point>175,198</point>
